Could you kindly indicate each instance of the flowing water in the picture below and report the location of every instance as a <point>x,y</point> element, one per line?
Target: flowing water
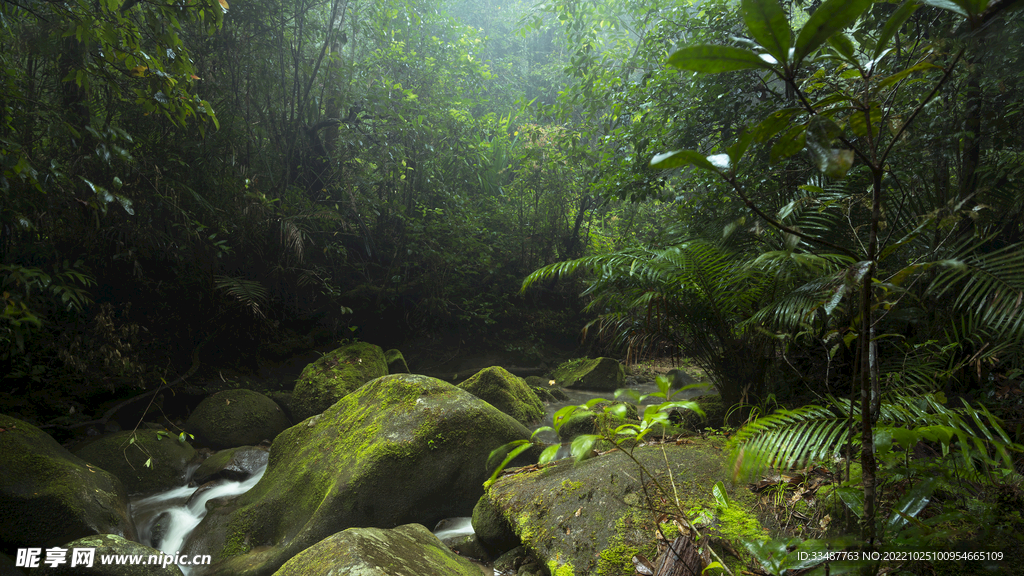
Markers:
<point>165,520</point>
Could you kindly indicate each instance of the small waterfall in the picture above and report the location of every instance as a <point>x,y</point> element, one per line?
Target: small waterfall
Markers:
<point>165,519</point>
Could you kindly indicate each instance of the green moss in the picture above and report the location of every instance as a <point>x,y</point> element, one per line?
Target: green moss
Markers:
<point>563,570</point>
<point>506,392</point>
<point>568,486</point>
<point>633,535</point>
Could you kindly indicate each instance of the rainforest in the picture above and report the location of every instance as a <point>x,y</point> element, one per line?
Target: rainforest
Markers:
<point>753,270</point>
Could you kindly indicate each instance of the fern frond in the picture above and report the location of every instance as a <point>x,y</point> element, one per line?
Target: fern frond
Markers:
<point>790,439</point>
<point>249,293</point>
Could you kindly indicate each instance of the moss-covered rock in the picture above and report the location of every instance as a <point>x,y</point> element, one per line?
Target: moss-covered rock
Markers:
<point>236,418</point>
<point>714,413</point>
<point>396,362</point>
<point>234,464</point>
<point>409,550</point>
<point>506,392</point>
<point>334,375</point>
<point>603,374</point>
<point>592,517</point>
<point>49,496</point>
<point>492,529</point>
<point>403,448</point>
<point>125,455</point>
<point>106,545</point>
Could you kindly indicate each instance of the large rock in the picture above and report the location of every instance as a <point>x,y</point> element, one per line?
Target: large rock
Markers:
<point>403,448</point>
<point>234,464</point>
<point>592,517</point>
<point>396,362</point>
<point>506,392</point>
<point>107,545</point>
<point>334,375</point>
<point>144,460</point>
<point>409,550</point>
<point>602,374</point>
<point>49,496</point>
<point>236,418</point>
<point>492,529</point>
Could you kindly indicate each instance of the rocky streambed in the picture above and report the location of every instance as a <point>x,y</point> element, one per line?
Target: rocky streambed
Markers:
<point>347,487</point>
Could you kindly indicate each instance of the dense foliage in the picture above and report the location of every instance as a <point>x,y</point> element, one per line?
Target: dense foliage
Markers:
<point>812,200</point>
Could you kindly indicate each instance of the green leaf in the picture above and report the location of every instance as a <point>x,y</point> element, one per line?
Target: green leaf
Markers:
<point>912,503</point>
<point>960,7</point>
<point>859,121</point>
<point>789,143</point>
<point>843,44</point>
<point>667,160</point>
<point>831,17</point>
<point>583,445</point>
<point>893,25</point>
<point>768,24</point>
<point>721,496</point>
<point>774,123</point>
<point>906,72</point>
<point>712,59</point>
<point>149,463</point>
<point>548,454</point>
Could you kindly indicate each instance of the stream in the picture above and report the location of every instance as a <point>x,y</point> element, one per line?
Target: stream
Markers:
<point>165,519</point>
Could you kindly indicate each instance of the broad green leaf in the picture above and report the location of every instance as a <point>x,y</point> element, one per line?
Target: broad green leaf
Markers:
<point>912,503</point>
<point>853,498</point>
<point>548,454</point>
<point>739,147</point>
<point>959,7</point>
<point>888,81</point>
<point>843,44</point>
<point>893,25</point>
<point>712,59</point>
<point>774,123</point>
<point>520,447</point>
<point>721,496</point>
<point>583,445</point>
<point>831,17</point>
<point>907,439</point>
<point>834,162</point>
<point>859,121</point>
<point>768,24</point>
<point>789,143</point>
<point>678,158</point>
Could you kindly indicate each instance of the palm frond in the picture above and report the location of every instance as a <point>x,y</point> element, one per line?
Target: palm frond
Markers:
<point>249,293</point>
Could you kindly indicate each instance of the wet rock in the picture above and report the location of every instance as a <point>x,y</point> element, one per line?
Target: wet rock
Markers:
<point>232,464</point>
<point>236,418</point>
<point>49,496</point>
<point>506,392</point>
<point>144,460</point>
<point>602,374</point>
<point>396,362</point>
<point>109,544</point>
<point>593,516</point>
<point>334,375</point>
<point>403,448</point>
<point>492,529</point>
<point>409,550</point>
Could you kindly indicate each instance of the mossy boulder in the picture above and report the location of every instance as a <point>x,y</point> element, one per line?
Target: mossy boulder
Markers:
<point>49,496</point>
<point>125,455</point>
<point>592,517</point>
<point>602,374</point>
<point>234,464</point>
<point>106,545</point>
<point>409,550</point>
<point>334,375</point>
<point>492,529</point>
<point>506,392</point>
<point>236,418</point>
<point>403,448</point>
<point>396,362</point>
